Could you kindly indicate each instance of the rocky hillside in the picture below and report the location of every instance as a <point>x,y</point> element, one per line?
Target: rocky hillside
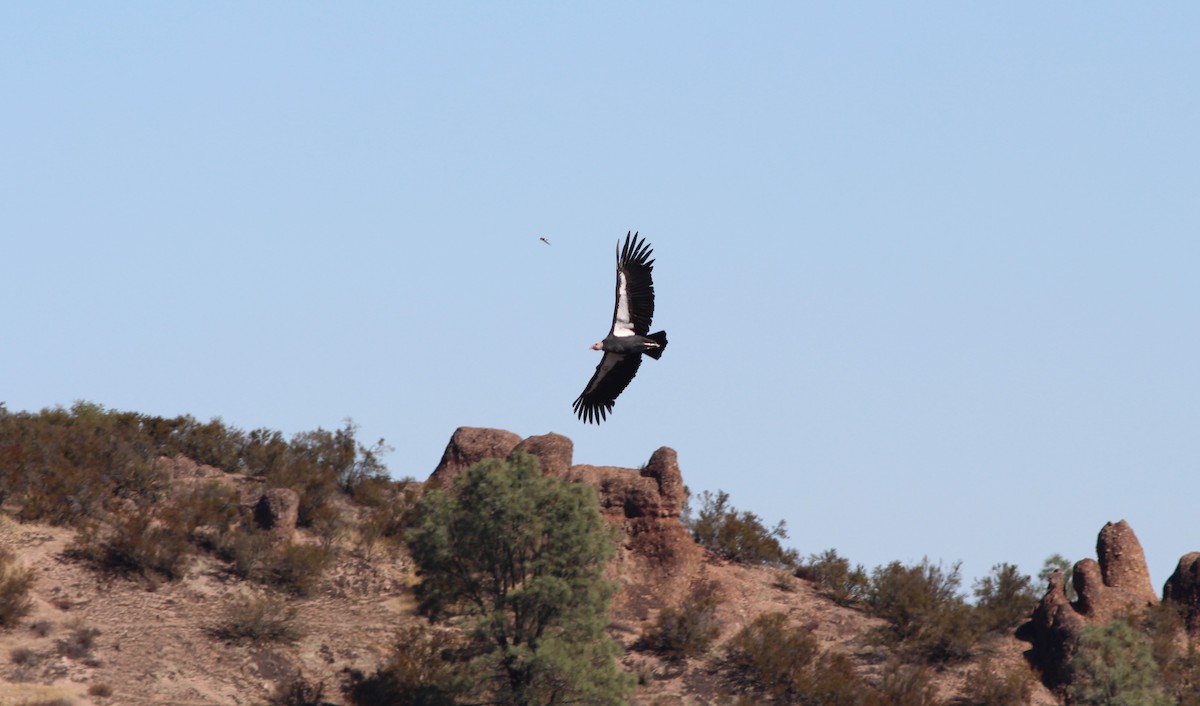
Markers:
<point>103,637</point>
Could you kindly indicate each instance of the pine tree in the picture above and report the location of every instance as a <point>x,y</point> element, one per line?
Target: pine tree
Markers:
<point>517,558</point>
<point>1114,667</point>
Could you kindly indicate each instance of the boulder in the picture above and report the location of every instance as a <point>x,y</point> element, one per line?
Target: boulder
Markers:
<point>1183,589</point>
<point>468,446</point>
<point>553,451</point>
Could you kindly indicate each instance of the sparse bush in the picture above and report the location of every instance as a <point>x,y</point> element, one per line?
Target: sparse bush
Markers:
<point>840,583</point>
<point>210,505</point>
<point>330,524</point>
<point>423,671</point>
<point>987,687</point>
<point>41,628</point>
<point>835,683</point>
<point>66,466</point>
<point>738,536</point>
<point>387,518</point>
<point>247,551</point>
<point>926,617</point>
<point>1004,598</point>
<point>299,567</point>
<point>263,619</point>
<point>1175,654</point>
<point>784,581</point>
<point>315,463</point>
<point>136,544</point>
<point>771,656</point>
<point>300,692</point>
<point>79,642</point>
<point>906,685</point>
<point>21,656</point>
<point>15,582</point>
<point>686,630</point>
<point>1114,666</point>
<point>100,690</point>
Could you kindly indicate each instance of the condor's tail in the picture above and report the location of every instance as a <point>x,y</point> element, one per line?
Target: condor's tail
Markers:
<point>661,339</point>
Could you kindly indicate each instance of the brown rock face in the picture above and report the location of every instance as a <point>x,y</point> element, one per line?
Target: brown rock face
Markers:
<point>554,452</point>
<point>1054,630</point>
<point>1116,584</point>
<point>468,446</point>
<point>277,510</point>
<point>664,469</point>
<point>1183,588</point>
<point>1123,564</point>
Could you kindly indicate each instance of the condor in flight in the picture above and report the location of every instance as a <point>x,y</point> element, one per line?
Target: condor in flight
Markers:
<point>629,336</point>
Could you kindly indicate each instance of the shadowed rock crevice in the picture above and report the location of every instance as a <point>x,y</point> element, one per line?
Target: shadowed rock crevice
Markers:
<point>1183,589</point>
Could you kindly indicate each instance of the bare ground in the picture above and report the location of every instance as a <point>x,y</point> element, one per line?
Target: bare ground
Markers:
<point>155,644</point>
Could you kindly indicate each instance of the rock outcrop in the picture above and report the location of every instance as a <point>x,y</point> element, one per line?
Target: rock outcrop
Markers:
<point>1117,583</point>
<point>644,503</point>
<point>468,446</point>
<point>277,511</point>
<point>553,451</point>
<point>1183,589</point>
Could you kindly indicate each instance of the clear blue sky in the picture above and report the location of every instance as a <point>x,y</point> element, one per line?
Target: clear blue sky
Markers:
<point>929,273</point>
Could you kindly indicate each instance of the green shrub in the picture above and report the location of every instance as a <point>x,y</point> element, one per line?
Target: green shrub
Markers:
<point>15,582</point>
<point>738,536</point>
<point>1057,562</point>
<point>840,583</point>
<point>926,617</point>
<point>1114,666</point>
<point>210,443</point>
<point>687,630</point>
<point>1004,598</point>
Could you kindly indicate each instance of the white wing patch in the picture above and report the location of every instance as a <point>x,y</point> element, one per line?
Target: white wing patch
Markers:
<point>622,324</point>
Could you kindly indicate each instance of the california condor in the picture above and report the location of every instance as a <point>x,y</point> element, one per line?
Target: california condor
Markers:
<point>629,336</point>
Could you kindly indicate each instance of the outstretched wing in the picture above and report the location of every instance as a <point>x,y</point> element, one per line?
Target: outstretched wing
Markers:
<point>611,378</point>
<point>635,289</point>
